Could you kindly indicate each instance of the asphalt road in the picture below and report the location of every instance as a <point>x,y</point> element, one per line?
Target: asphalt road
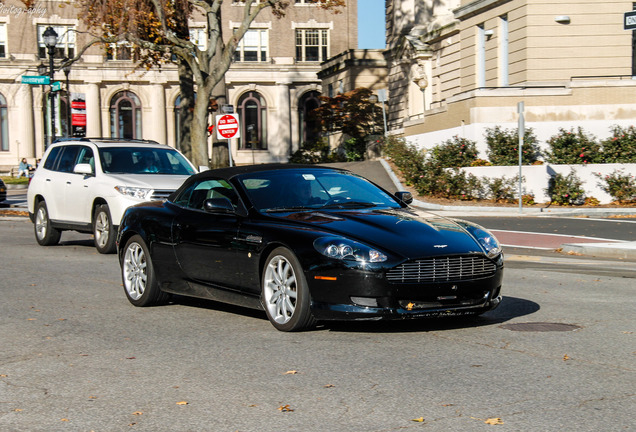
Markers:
<point>76,356</point>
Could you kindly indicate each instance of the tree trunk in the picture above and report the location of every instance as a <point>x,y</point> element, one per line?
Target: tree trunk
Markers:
<point>199,129</point>
<point>186,109</point>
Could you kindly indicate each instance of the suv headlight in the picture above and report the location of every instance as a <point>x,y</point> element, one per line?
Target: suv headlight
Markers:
<point>345,249</point>
<point>484,237</point>
<point>134,192</point>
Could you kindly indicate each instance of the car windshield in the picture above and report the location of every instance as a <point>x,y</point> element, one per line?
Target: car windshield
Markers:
<point>299,189</point>
<point>143,160</point>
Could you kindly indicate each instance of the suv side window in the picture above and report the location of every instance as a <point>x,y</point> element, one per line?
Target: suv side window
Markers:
<point>86,157</point>
<point>49,164</point>
<point>68,158</point>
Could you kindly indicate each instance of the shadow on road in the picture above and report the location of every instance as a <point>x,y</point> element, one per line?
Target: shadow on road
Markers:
<point>510,308</point>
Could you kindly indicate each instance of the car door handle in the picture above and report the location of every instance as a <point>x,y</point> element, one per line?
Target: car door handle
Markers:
<point>68,182</point>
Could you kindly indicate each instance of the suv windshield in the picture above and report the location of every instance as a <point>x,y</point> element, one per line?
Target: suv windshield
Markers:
<point>143,160</point>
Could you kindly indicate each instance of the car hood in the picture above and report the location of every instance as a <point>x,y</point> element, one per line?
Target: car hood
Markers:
<point>153,181</point>
<point>399,231</point>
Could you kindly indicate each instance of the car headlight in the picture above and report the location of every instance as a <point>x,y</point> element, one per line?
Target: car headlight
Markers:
<point>484,237</point>
<point>345,249</point>
<point>134,192</point>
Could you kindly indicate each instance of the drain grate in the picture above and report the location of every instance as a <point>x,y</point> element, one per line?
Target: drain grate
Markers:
<point>540,327</point>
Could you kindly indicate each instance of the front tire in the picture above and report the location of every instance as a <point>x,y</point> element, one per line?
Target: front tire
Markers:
<point>138,275</point>
<point>45,234</point>
<point>103,230</point>
<point>285,295</point>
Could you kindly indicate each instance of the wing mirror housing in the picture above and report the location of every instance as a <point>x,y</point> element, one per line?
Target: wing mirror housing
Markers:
<point>404,196</point>
<point>83,168</point>
<point>218,205</point>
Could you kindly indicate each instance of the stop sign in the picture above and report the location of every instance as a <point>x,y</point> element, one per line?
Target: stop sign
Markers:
<point>227,126</point>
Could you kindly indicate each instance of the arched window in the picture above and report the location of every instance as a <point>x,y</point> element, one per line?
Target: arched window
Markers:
<point>4,125</point>
<point>309,127</point>
<point>125,116</point>
<point>252,112</point>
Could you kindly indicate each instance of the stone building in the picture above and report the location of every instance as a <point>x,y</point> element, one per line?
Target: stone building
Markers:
<point>272,83</point>
<point>458,67</point>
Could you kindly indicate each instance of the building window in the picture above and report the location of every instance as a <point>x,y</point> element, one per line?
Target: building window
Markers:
<point>309,126</point>
<point>65,41</point>
<point>252,112</point>
<point>503,52</point>
<point>4,125</point>
<point>199,37</point>
<point>253,46</point>
<point>122,51</point>
<point>306,2</point>
<point>481,56</point>
<point>3,40</point>
<point>312,45</point>
<point>125,116</point>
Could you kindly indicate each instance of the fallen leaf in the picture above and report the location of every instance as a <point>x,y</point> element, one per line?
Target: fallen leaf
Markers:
<point>31,319</point>
<point>329,386</point>
<point>494,421</point>
<point>92,397</point>
<point>285,408</point>
<point>64,419</point>
<point>137,413</point>
<point>419,420</point>
<point>4,376</point>
<point>182,403</point>
<point>628,332</point>
<point>18,410</point>
<point>131,358</point>
<point>448,405</point>
<point>291,372</point>
<point>566,357</point>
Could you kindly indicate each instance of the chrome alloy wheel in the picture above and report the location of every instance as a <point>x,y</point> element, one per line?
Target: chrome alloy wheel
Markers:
<point>41,223</point>
<point>134,269</point>
<point>102,229</point>
<point>280,291</point>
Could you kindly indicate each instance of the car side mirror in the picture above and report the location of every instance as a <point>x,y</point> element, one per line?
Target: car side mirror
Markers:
<point>218,205</point>
<point>83,168</point>
<point>405,197</point>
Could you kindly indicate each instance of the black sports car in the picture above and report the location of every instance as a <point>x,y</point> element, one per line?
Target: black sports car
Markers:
<point>306,243</point>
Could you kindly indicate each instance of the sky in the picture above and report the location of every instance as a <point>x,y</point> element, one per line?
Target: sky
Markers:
<point>371,25</point>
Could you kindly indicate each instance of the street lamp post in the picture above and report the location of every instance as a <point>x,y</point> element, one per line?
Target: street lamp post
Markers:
<point>67,71</point>
<point>50,40</point>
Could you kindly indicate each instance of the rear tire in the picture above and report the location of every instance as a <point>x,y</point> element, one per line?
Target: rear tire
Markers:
<point>45,234</point>
<point>103,230</point>
<point>285,294</point>
<point>138,274</point>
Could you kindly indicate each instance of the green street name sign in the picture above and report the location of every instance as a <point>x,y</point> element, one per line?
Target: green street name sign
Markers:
<point>35,79</point>
<point>57,85</point>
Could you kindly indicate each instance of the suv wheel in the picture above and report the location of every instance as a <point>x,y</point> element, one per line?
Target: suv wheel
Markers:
<point>45,234</point>
<point>103,230</point>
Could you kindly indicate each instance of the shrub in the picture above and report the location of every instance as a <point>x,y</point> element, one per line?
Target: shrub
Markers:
<point>621,187</point>
<point>503,146</point>
<point>573,148</point>
<point>315,152</point>
<point>455,152</point>
<point>621,146</point>
<point>502,190</point>
<point>566,190</point>
<point>451,183</point>
<point>407,157</point>
<point>527,199</point>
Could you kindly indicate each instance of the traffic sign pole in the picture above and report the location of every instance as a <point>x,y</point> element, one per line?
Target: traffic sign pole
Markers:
<point>228,127</point>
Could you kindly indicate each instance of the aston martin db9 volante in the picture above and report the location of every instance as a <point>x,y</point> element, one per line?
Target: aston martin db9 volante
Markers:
<point>306,243</point>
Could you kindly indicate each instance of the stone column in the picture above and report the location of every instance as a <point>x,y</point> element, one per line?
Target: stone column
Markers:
<point>283,133</point>
<point>24,134</point>
<point>157,129</point>
<point>93,112</point>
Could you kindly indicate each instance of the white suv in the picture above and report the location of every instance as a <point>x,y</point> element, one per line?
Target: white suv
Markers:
<point>86,184</point>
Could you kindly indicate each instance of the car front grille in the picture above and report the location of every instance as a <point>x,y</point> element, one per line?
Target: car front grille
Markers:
<point>444,269</point>
<point>160,195</point>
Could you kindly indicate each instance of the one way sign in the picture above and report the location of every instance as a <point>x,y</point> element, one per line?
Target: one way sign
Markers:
<point>629,21</point>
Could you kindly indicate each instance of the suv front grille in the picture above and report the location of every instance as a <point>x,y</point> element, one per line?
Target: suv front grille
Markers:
<point>444,269</point>
<point>160,195</point>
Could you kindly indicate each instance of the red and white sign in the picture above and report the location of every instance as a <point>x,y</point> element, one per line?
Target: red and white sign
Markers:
<point>227,126</point>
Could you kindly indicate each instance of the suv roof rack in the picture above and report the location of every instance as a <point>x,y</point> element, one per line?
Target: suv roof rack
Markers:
<point>109,140</point>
